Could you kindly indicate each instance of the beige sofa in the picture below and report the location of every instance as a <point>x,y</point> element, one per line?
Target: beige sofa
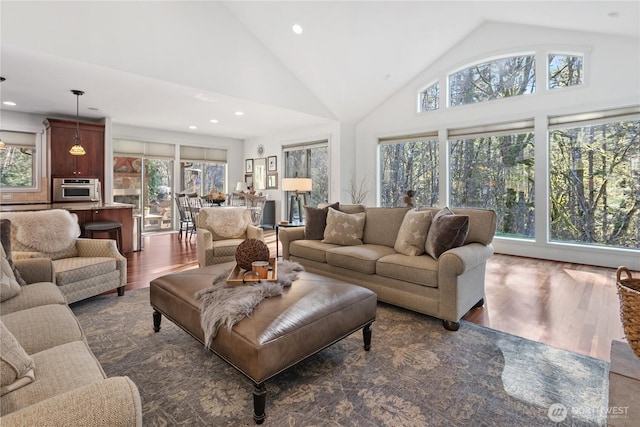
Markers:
<point>83,267</point>
<point>219,231</point>
<point>49,375</point>
<point>446,288</point>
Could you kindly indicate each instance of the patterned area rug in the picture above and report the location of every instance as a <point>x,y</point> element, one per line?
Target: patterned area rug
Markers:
<point>416,374</point>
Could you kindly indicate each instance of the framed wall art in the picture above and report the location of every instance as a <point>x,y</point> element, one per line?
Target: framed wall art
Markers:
<point>248,166</point>
<point>272,180</point>
<point>272,163</point>
<point>248,179</point>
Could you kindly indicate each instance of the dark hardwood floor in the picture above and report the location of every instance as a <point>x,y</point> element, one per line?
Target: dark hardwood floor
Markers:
<point>569,306</point>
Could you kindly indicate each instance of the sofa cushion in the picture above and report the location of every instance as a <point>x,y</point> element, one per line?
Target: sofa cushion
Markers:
<point>360,258</point>
<point>316,221</point>
<point>71,270</point>
<point>43,327</point>
<point>9,286</point>
<point>5,240</point>
<point>447,231</point>
<point>16,366</point>
<point>343,228</point>
<point>58,370</point>
<point>313,250</point>
<point>421,270</point>
<point>382,225</point>
<point>413,233</point>
<point>34,295</point>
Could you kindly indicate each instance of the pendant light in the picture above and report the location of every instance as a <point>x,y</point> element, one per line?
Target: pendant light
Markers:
<point>77,149</point>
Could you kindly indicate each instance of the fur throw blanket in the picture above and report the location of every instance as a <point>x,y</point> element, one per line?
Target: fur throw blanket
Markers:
<point>229,222</point>
<point>227,305</point>
<point>45,231</point>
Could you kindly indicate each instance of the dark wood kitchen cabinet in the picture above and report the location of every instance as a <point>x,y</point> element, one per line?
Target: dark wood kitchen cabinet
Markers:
<point>60,138</point>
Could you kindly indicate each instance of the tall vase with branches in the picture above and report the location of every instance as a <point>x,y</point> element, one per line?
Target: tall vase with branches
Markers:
<point>358,191</point>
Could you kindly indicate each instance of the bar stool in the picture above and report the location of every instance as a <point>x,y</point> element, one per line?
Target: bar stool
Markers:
<point>105,227</point>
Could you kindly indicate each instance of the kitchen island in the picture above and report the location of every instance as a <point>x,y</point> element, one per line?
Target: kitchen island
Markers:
<point>89,212</point>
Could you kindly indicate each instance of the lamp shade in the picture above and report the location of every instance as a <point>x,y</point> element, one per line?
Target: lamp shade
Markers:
<point>240,186</point>
<point>297,184</point>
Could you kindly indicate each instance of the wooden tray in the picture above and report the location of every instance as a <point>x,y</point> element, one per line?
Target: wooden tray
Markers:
<point>236,277</point>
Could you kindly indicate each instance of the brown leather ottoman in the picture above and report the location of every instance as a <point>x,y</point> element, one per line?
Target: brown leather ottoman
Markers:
<point>309,316</point>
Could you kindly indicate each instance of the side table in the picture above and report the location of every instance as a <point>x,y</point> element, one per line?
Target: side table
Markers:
<point>287,225</point>
<point>624,386</point>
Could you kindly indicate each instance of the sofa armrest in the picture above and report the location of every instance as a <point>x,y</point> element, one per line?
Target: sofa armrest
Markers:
<point>286,235</point>
<point>254,232</point>
<point>457,261</point>
<point>112,402</point>
<point>204,243</point>
<point>103,248</point>
<point>34,270</point>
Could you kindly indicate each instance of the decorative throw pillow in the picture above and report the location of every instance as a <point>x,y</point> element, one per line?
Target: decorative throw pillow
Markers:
<point>344,229</point>
<point>5,239</point>
<point>16,366</point>
<point>9,286</point>
<point>447,231</point>
<point>413,233</point>
<point>316,221</point>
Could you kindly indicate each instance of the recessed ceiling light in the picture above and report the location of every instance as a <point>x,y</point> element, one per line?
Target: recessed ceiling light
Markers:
<point>239,113</point>
<point>296,28</point>
<point>613,14</point>
<point>193,127</point>
<point>213,121</point>
<point>10,103</point>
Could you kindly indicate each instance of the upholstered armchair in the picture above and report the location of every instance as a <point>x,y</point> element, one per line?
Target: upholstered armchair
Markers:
<point>82,267</point>
<point>219,231</point>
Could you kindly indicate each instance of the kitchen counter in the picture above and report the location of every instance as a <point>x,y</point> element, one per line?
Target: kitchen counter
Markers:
<point>77,206</point>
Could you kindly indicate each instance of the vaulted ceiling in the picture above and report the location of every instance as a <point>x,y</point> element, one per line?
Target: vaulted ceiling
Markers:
<point>174,64</point>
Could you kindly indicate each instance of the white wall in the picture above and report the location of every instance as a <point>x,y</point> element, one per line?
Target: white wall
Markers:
<point>611,80</point>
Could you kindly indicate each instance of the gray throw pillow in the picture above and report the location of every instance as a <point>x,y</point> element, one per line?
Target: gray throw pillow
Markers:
<point>413,233</point>
<point>344,229</point>
<point>315,220</point>
<point>5,239</point>
<point>447,231</point>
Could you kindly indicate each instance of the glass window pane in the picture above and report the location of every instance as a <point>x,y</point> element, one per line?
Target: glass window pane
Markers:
<point>496,172</point>
<point>17,166</point>
<point>430,98</point>
<point>595,184</point>
<point>565,70</point>
<point>309,163</point>
<point>411,165</point>
<point>497,79</point>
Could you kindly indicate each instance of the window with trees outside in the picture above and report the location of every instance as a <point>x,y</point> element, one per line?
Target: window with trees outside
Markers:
<point>430,98</point>
<point>595,182</point>
<point>409,164</point>
<point>18,161</point>
<point>565,70</point>
<point>495,171</point>
<point>500,78</point>
<point>309,161</point>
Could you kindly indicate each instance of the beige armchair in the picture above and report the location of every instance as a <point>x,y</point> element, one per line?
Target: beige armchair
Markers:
<point>219,231</point>
<point>82,267</point>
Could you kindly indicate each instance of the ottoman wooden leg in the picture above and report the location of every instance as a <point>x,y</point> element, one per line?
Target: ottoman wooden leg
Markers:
<point>157,318</point>
<point>259,403</point>
<point>366,335</point>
